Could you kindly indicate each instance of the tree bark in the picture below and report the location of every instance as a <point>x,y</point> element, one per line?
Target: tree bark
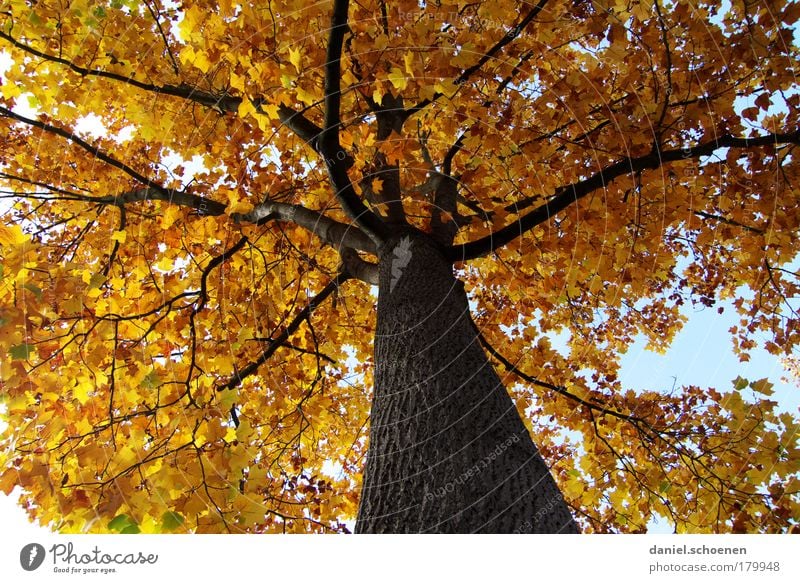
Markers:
<point>448,451</point>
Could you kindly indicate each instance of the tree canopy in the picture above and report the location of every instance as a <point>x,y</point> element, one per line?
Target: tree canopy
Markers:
<point>193,199</point>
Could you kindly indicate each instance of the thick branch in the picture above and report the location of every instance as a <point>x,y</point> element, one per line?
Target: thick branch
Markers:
<point>390,195</point>
<point>333,232</point>
<point>567,195</point>
<point>204,205</point>
<point>358,268</point>
<point>333,94</point>
<point>389,117</point>
<point>307,131</point>
<point>445,220</point>
<point>330,148</point>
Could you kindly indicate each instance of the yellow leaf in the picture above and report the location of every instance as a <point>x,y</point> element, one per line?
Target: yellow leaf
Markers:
<point>200,436</point>
<point>465,57</point>
<point>230,435</point>
<point>246,107</point>
<point>294,58</point>
<point>574,488</point>
<point>447,87</point>
<point>10,90</point>
<point>165,264</point>
<point>348,78</point>
<point>195,505</point>
<point>427,92</point>
<point>191,21</point>
<point>238,82</point>
<point>381,42</point>
<point>224,364</point>
<point>169,216</point>
<point>81,391</point>
<point>398,78</point>
<point>305,96</point>
<point>126,456</point>
<point>408,59</point>
<point>201,62</point>
<point>187,54</point>
<point>270,109</point>
<point>8,480</point>
<point>377,95</point>
<point>119,236</point>
<point>197,58</point>
<point>12,235</point>
<point>73,305</point>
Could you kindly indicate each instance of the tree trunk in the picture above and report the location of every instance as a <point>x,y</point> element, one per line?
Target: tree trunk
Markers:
<point>448,451</point>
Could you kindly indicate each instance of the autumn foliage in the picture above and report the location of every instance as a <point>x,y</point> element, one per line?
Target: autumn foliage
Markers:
<point>186,317</point>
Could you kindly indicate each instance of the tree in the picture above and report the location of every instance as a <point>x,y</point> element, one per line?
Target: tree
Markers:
<point>200,196</point>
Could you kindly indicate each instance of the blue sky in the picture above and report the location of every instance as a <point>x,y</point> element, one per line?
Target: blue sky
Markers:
<point>701,355</point>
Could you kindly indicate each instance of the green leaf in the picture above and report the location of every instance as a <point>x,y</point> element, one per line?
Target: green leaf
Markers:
<point>171,520</point>
<point>132,529</point>
<point>740,383</point>
<point>21,351</point>
<point>121,522</point>
<point>228,399</point>
<point>35,289</point>
<point>151,380</point>
<point>97,280</point>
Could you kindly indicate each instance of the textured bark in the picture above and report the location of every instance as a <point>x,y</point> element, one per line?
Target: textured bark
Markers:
<point>448,451</point>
